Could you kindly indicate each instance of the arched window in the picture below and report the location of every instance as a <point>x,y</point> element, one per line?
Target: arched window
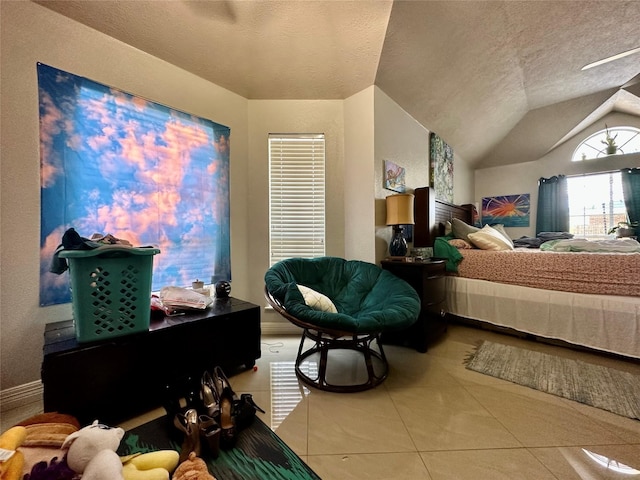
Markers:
<point>625,139</point>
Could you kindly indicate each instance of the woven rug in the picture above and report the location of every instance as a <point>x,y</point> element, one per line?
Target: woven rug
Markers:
<point>259,453</point>
<point>606,388</point>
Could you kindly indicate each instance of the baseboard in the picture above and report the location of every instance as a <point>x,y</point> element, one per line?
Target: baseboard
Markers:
<point>280,328</point>
<point>21,395</point>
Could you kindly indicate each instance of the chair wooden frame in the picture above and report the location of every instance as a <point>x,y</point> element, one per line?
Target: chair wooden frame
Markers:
<point>326,340</point>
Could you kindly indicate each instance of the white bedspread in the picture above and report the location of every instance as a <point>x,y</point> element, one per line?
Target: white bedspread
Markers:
<point>620,245</point>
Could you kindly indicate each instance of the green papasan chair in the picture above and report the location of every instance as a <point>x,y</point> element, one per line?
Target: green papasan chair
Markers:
<point>340,305</point>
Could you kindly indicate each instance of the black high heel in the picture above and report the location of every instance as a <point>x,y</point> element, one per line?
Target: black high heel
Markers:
<point>228,400</point>
<point>187,423</point>
<point>210,432</point>
<point>228,434</point>
<point>245,411</point>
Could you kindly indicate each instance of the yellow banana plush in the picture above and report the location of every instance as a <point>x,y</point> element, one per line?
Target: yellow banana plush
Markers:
<point>10,440</point>
<point>167,459</point>
<point>150,466</point>
<point>131,472</point>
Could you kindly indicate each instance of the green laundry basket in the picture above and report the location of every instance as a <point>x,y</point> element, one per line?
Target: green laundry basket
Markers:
<point>110,290</point>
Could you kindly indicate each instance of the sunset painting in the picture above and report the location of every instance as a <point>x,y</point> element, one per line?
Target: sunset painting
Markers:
<point>114,163</point>
<point>509,210</point>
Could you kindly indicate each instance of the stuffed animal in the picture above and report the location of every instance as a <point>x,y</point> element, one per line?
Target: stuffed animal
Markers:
<point>194,468</point>
<point>11,469</point>
<point>86,452</point>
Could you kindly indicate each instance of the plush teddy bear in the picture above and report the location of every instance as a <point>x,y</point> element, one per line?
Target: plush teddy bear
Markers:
<point>92,452</point>
<point>194,468</point>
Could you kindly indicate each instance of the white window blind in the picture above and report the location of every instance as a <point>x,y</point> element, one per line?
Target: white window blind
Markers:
<point>296,196</point>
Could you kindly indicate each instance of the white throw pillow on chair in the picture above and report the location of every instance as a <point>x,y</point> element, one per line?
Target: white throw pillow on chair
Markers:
<point>317,300</point>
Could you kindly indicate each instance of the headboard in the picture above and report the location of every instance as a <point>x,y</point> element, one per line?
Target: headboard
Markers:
<point>431,214</point>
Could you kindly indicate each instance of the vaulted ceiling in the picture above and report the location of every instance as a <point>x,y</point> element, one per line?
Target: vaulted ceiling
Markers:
<point>500,81</point>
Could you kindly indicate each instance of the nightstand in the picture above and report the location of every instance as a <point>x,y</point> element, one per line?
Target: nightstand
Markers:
<point>427,277</point>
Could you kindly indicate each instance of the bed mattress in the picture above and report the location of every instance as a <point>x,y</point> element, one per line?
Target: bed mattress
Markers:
<point>576,272</point>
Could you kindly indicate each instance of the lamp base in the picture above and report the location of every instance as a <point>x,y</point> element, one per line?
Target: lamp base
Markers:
<point>398,246</point>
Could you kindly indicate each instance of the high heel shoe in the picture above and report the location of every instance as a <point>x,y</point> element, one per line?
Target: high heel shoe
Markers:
<point>228,434</point>
<point>228,399</point>
<point>245,411</point>
<point>210,396</point>
<point>244,408</point>
<point>210,432</point>
<point>188,424</point>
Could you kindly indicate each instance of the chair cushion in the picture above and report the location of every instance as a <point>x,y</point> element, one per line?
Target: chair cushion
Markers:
<point>368,299</point>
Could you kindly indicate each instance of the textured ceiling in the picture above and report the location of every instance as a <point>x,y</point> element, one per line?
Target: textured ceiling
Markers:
<point>500,81</point>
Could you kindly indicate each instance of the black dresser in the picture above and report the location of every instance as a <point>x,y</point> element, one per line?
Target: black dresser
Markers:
<point>119,378</point>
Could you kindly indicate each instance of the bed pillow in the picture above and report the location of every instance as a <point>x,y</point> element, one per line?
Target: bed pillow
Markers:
<point>460,244</point>
<point>461,229</point>
<point>500,227</point>
<point>316,300</point>
<point>489,238</point>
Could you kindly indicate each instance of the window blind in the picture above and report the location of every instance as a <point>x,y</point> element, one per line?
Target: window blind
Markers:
<point>296,196</point>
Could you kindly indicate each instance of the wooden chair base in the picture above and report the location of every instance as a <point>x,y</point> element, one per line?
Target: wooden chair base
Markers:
<point>324,343</point>
<point>326,340</point>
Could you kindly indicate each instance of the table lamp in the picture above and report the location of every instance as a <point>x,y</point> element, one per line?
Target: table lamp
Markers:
<point>399,213</point>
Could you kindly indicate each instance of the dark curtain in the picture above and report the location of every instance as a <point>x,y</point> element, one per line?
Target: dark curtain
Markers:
<point>631,193</point>
<point>553,205</point>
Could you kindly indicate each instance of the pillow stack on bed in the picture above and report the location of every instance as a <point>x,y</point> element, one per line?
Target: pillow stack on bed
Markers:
<point>485,238</point>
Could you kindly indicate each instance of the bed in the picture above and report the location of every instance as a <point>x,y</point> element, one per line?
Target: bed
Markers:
<point>586,299</point>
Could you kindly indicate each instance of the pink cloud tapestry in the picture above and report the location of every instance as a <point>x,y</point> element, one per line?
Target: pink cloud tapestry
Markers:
<point>116,163</point>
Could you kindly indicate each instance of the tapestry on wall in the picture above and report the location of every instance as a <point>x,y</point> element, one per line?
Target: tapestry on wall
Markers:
<point>509,210</point>
<point>114,163</point>
<point>441,168</point>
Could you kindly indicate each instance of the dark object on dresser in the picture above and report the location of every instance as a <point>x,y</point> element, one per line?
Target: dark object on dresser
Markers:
<point>117,379</point>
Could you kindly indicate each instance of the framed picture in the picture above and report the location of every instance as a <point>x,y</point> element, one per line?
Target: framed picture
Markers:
<point>394,177</point>
<point>509,210</point>
<point>441,168</point>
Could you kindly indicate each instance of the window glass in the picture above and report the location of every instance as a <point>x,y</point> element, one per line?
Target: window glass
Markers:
<point>600,144</point>
<point>296,196</point>
<point>596,204</point>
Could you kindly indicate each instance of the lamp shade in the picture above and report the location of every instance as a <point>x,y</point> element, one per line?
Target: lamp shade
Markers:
<point>400,209</point>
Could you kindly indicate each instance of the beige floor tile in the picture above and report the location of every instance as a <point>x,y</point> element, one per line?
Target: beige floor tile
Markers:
<point>539,419</point>
<point>396,466</point>
<point>449,418</point>
<point>432,418</point>
<point>408,368</point>
<point>292,424</point>
<point>504,464</point>
<point>627,429</point>
<point>609,462</point>
<point>365,422</point>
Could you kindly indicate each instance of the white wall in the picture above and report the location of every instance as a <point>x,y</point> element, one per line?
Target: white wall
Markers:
<point>523,177</point>
<point>359,165</point>
<point>30,34</point>
<point>402,140</point>
<point>399,138</point>
<point>291,116</point>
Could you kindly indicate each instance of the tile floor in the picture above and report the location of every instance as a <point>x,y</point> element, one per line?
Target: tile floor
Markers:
<point>433,419</point>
